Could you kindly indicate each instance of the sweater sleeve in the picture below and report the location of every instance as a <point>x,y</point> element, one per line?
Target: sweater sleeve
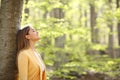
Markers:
<point>23,66</point>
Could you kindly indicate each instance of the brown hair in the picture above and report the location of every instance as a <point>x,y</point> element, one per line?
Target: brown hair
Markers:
<point>22,42</point>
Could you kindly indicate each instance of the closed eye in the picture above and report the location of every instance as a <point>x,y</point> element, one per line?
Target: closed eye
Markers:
<point>33,30</point>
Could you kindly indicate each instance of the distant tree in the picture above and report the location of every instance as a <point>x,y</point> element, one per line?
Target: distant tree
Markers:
<point>59,41</point>
<point>118,24</point>
<point>110,37</point>
<point>93,16</point>
<point>85,15</point>
<point>10,18</point>
<point>26,10</point>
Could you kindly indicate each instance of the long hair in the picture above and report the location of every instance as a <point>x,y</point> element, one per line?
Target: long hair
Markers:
<point>21,41</point>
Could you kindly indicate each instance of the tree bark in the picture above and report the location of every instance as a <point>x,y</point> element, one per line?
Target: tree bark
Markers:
<point>110,38</point>
<point>118,30</point>
<point>94,31</point>
<point>86,20</point>
<point>10,18</point>
<point>118,24</point>
<point>110,42</point>
<point>26,11</point>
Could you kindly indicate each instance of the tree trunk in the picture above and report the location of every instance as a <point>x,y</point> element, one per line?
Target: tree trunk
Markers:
<point>118,30</point>
<point>118,24</point>
<point>26,11</point>
<point>110,42</point>
<point>94,31</point>
<point>110,38</point>
<point>57,13</point>
<point>10,18</point>
<point>86,16</point>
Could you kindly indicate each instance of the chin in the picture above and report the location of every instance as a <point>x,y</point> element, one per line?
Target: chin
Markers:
<point>38,38</point>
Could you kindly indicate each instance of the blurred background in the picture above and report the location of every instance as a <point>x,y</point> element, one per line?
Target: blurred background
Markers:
<point>80,39</point>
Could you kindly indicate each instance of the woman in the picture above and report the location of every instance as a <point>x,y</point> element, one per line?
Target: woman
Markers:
<point>30,65</point>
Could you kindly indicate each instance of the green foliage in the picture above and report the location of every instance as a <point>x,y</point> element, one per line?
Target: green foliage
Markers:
<point>73,56</point>
<point>117,12</point>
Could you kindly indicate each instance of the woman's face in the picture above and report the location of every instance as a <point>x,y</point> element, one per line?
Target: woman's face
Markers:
<point>33,35</point>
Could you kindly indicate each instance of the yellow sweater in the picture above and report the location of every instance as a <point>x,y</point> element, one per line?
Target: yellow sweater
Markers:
<point>29,68</point>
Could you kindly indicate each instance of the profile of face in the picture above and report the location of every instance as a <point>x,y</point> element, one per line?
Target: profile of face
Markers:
<point>32,35</point>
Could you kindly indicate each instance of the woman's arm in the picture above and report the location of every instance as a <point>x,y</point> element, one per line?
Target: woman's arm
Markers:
<point>23,66</point>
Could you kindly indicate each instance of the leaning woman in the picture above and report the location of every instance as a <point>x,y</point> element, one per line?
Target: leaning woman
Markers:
<point>30,64</point>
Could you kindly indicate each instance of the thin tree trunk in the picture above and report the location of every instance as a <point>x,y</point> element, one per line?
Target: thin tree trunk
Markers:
<point>110,42</point>
<point>118,24</point>
<point>85,15</point>
<point>118,29</point>
<point>10,18</point>
<point>94,31</point>
<point>26,11</point>
<point>111,39</point>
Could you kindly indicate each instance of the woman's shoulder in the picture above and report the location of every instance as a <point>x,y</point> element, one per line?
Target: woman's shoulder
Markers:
<point>23,55</point>
<point>24,52</point>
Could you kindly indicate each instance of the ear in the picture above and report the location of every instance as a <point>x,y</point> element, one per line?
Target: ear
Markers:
<point>27,36</point>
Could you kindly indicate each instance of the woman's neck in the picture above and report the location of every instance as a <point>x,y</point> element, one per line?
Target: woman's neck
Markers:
<point>32,45</point>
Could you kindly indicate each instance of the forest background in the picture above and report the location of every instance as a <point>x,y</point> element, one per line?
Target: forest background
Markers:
<point>78,37</point>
